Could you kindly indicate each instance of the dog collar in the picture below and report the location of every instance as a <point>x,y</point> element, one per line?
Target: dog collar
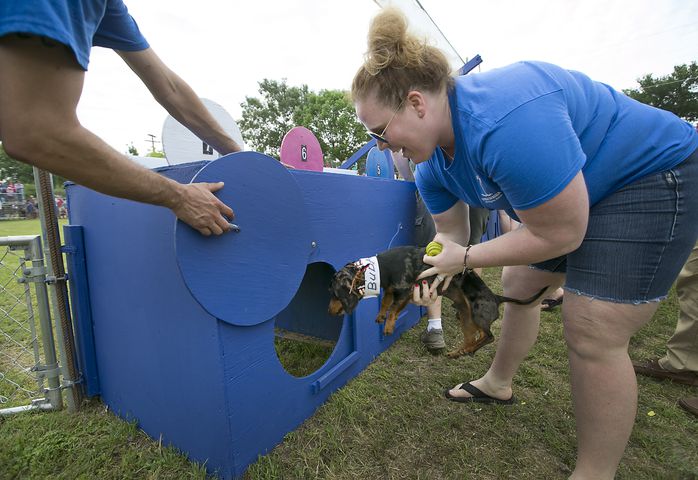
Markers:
<point>372,277</point>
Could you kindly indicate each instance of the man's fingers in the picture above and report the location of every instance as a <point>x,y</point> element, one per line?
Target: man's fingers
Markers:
<point>447,282</point>
<point>214,187</point>
<point>223,224</point>
<point>202,210</point>
<point>216,229</point>
<point>225,210</point>
<point>222,207</point>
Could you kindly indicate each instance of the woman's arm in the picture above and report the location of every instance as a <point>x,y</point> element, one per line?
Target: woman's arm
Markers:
<point>549,230</point>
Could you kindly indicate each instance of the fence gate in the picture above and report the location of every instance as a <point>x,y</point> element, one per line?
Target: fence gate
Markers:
<point>29,370</point>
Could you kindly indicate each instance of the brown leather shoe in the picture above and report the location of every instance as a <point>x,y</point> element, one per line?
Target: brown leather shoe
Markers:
<point>690,404</point>
<point>651,368</point>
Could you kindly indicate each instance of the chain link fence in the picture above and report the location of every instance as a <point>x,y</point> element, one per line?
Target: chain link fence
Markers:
<point>29,372</point>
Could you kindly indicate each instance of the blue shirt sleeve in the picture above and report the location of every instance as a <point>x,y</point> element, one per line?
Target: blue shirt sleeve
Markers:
<point>533,153</point>
<point>436,197</point>
<point>118,30</point>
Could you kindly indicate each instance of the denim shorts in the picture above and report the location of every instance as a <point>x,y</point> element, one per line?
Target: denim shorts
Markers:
<point>637,240</point>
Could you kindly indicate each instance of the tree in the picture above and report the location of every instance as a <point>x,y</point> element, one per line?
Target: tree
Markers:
<point>331,117</point>
<point>12,169</point>
<point>132,150</point>
<point>677,92</point>
<point>328,114</point>
<point>22,172</point>
<point>265,121</point>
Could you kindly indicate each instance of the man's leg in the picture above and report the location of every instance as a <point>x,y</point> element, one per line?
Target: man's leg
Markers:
<point>682,347</point>
<point>425,230</point>
<point>680,364</point>
<point>433,336</point>
<point>478,218</point>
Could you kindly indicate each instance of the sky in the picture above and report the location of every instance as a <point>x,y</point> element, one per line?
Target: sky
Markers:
<point>223,48</point>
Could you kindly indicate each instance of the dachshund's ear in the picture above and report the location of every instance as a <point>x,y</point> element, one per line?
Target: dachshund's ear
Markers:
<point>359,275</point>
<point>358,281</point>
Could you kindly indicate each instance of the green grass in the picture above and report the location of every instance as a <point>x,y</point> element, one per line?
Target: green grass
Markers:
<point>10,228</point>
<point>90,444</point>
<point>392,422</point>
<point>302,357</point>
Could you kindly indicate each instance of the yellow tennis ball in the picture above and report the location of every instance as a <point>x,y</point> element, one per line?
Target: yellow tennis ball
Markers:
<point>434,248</point>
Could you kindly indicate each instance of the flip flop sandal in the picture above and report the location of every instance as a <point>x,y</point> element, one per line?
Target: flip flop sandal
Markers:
<point>550,303</point>
<point>477,396</point>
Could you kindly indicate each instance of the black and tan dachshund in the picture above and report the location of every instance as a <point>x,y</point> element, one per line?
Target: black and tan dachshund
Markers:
<point>399,267</point>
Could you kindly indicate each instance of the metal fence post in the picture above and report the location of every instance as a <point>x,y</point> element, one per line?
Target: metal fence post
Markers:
<point>58,292</point>
<point>53,394</point>
<point>20,357</point>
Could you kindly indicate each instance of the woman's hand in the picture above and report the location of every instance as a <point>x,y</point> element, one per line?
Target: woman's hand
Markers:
<point>444,265</point>
<point>423,295</point>
<point>447,263</point>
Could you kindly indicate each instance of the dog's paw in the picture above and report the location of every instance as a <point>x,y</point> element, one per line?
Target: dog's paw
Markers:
<point>388,329</point>
<point>458,352</point>
<point>469,348</point>
<point>380,319</point>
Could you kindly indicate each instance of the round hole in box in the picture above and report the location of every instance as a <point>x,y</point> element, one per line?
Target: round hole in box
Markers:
<point>305,333</point>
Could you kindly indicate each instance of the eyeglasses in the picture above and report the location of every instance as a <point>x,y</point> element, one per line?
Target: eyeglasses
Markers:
<point>381,136</point>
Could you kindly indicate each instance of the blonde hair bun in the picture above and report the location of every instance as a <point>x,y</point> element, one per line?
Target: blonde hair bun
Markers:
<point>390,44</point>
<point>397,61</point>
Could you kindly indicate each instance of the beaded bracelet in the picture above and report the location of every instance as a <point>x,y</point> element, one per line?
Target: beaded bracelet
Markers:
<point>465,259</point>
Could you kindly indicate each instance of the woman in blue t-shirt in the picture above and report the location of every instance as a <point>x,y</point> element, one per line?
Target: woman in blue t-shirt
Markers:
<point>605,188</point>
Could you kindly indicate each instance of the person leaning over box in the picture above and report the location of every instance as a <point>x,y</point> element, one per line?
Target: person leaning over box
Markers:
<point>605,188</point>
<point>44,50</point>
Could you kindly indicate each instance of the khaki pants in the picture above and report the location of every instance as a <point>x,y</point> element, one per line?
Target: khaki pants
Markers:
<point>682,347</point>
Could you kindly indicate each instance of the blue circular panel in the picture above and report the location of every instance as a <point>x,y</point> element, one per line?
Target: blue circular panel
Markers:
<point>246,278</point>
<point>377,164</point>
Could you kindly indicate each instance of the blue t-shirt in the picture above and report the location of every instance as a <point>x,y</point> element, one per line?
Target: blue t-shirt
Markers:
<point>78,24</point>
<point>523,132</point>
